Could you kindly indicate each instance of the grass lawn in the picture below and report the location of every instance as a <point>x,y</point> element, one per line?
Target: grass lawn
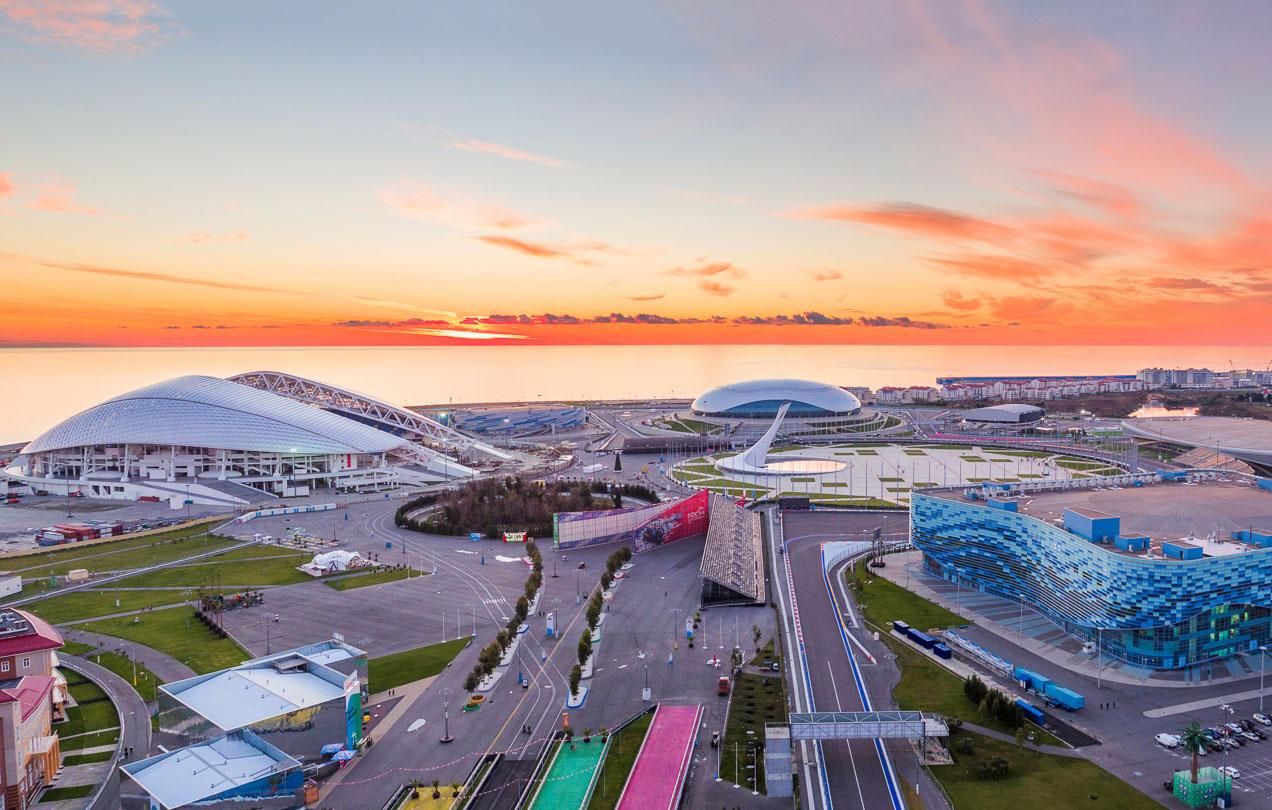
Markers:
<point>177,632</point>
<point>147,682</point>
<point>58,794</point>
<point>885,601</point>
<point>974,459</point>
<point>75,648</point>
<point>377,577</point>
<point>88,759</point>
<point>118,555</point>
<point>390,671</point>
<point>95,712</point>
<point>1035,780</point>
<point>94,740</point>
<point>1077,464</point>
<point>255,566</point>
<point>927,686</point>
<point>618,762</point>
<point>87,604</point>
<point>756,700</point>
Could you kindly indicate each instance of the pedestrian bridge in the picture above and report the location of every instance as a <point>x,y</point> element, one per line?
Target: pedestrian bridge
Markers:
<point>867,725</point>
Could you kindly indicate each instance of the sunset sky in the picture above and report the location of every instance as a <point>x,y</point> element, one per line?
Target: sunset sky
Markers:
<point>331,173</point>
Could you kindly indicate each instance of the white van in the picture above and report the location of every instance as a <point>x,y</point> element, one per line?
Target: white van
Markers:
<point>1167,740</point>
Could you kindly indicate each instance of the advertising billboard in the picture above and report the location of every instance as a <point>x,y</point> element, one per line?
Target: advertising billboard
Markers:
<point>645,527</point>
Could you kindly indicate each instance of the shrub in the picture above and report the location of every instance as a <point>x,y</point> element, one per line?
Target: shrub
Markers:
<point>963,745</point>
<point>576,675</point>
<point>995,768</point>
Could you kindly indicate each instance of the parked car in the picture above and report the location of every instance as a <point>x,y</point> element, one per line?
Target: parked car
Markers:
<point>1262,735</point>
<point>1230,771</point>
<point>1262,719</point>
<point>1233,727</point>
<point>1247,735</point>
<point>1214,745</point>
<point>1167,740</point>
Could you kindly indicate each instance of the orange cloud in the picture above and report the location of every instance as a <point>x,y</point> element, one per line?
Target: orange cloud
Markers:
<point>60,198</point>
<point>824,275</point>
<point>715,287</point>
<point>1110,198</point>
<point>6,187</point>
<point>710,269</point>
<point>233,236</point>
<point>508,153</point>
<point>95,25</point>
<point>996,268</point>
<point>420,201</point>
<point>921,220</point>
<point>955,300</point>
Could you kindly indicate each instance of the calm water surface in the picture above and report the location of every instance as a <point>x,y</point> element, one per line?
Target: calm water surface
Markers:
<point>44,386</point>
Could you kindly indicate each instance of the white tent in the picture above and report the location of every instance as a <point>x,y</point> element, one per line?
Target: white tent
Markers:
<point>333,561</point>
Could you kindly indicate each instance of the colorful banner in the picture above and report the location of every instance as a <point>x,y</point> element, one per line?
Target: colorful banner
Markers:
<point>645,527</point>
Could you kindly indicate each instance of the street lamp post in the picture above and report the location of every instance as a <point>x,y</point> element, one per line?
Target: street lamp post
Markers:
<point>446,737</point>
<point>1020,623</point>
<point>675,623</point>
<point>1263,658</point>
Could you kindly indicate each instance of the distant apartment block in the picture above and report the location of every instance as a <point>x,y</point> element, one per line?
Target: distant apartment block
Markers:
<point>1036,389</point>
<point>32,692</point>
<point>892,395</point>
<point>1178,377</point>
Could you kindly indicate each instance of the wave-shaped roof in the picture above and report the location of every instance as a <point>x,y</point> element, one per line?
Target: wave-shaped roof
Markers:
<point>772,393</point>
<point>197,411</point>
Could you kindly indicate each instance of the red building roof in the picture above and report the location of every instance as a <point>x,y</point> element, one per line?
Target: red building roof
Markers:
<point>38,635</point>
<point>30,691</point>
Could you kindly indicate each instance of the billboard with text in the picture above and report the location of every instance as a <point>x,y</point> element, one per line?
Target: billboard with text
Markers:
<point>645,527</point>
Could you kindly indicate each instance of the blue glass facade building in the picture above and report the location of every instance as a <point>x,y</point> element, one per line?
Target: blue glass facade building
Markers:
<point>1158,614</point>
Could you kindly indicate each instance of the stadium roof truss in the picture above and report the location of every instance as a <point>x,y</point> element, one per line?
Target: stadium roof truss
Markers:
<point>866,725</point>
<point>388,417</point>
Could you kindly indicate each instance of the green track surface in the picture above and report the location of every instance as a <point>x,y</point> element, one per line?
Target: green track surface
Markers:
<point>618,763</point>
<point>564,786</point>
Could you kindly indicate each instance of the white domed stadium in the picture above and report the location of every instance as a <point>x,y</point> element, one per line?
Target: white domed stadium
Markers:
<point>211,441</point>
<point>817,410</point>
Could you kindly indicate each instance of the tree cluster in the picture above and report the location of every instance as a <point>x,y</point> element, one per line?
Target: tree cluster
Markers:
<point>992,702</point>
<point>491,654</point>
<point>491,506</point>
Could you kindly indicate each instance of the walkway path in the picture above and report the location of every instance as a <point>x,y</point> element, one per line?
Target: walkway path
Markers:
<point>408,693</point>
<point>165,667</point>
<point>134,721</point>
<point>1046,749</point>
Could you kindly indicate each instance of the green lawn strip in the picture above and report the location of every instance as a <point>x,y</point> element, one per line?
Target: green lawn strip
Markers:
<point>88,604</point>
<point>618,762</point>
<point>93,711</point>
<point>1031,475</point>
<point>94,740</point>
<point>977,480</point>
<point>890,479</point>
<point>913,451</point>
<point>118,555</point>
<point>1077,464</point>
<point>391,671</point>
<point>1021,453</point>
<point>923,484</point>
<point>376,577</point>
<point>974,459</point>
<point>884,601</point>
<point>147,682</point>
<point>58,794</point>
<point>755,700</point>
<point>898,489</point>
<point>867,453</point>
<point>76,648</point>
<point>88,759</point>
<point>803,479</point>
<point>177,632</point>
<point>257,566</point>
<point>1034,780</point>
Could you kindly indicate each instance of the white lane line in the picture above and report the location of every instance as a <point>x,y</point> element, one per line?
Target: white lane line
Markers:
<point>839,707</point>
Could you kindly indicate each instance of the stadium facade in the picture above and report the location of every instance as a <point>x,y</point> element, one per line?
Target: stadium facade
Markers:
<point>1006,413</point>
<point>816,409</point>
<point>1154,603</point>
<point>214,441</point>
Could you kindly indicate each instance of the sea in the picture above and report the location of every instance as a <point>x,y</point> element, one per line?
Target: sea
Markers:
<point>47,385</point>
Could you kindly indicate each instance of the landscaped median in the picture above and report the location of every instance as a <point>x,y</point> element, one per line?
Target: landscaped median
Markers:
<point>394,670</point>
<point>177,632</point>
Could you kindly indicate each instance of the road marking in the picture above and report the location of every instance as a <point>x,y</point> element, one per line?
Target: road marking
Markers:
<point>839,706</point>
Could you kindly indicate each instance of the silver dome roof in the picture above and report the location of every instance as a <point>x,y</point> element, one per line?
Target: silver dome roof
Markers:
<point>198,411</point>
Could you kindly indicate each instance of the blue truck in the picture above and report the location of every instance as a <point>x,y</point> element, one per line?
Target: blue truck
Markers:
<point>899,626</point>
<point>921,638</point>
<point>1066,699</point>
<point>1031,712</point>
<point>1032,680</point>
<point>942,651</point>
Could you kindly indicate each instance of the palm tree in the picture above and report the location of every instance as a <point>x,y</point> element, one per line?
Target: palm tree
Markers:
<point>1193,741</point>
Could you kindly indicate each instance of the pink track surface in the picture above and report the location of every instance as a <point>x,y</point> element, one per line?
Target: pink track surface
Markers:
<point>660,769</point>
